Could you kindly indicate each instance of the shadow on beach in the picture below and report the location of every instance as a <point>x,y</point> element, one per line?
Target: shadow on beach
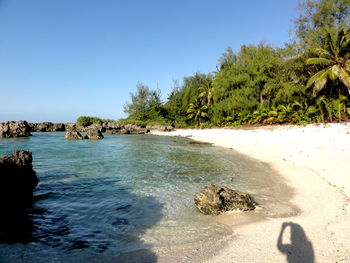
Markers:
<point>300,248</point>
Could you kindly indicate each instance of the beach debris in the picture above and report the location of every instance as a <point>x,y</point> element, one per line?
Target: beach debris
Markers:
<point>11,129</point>
<point>72,133</point>
<point>18,180</point>
<point>213,200</point>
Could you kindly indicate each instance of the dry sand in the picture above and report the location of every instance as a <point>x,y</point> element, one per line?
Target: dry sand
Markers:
<point>315,162</point>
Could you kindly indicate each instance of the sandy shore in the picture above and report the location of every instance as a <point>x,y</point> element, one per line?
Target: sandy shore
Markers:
<point>315,162</point>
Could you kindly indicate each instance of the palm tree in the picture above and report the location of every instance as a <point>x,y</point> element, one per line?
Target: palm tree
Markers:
<point>197,111</point>
<point>334,60</point>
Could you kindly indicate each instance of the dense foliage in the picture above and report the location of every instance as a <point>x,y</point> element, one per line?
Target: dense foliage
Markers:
<point>306,81</point>
<point>87,121</point>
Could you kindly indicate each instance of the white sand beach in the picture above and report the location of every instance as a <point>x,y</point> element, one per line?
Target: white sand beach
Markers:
<point>315,161</point>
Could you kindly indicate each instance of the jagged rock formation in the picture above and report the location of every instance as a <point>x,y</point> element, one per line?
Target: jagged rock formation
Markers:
<point>14,129</point>
<point>47,127</point>
<point>214,200</point>
<point>161,128</point>
<point>18,180</point>
<point>72,133</point>
<point>93,133</point>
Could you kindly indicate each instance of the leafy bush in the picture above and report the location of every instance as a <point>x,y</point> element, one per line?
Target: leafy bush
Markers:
<point>87,121</point>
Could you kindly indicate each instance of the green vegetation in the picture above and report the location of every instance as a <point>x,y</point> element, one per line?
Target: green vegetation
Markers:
<point>145,108</point>
<point>87,121</point>
<point>306,81</point>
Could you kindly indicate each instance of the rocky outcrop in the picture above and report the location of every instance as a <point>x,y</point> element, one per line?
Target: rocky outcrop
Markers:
<point>14,129</point>
<point>115,128</point>
<point>111,128</point>
<point>47,127</point>
<point>18,180</point>
<point>162,128</point>
<point>213,200</point>
<point>72,133</point>
<point>93,133</point>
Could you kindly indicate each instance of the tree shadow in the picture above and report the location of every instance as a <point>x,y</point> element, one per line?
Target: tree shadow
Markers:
<point>300,248</point>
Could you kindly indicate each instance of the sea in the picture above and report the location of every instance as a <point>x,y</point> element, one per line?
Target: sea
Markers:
<point>125,197</point>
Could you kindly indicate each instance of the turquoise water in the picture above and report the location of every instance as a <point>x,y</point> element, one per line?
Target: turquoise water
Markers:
<point>113,199</point>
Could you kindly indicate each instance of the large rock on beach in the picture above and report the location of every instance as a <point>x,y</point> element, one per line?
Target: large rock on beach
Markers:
<point>213,200</point>
<point>14,129</point>
<point>93,133</point>
<point>72,133</point>
<point>18,180</point>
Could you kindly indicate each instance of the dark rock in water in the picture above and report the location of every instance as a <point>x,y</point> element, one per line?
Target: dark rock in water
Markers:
<point>18,180</point>
<point>217,199</point>
<point>93,133</point>
<point>113,130</point>
<point>47,127</point>
<point>16,227</point>
<point>72,133</point>
<point>124,131</point>
<point>14,129</point>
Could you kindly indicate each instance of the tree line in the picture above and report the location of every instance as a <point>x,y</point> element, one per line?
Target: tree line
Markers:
<point>306,81</point>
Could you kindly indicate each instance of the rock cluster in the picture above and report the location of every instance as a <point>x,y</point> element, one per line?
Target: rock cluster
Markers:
<point>93,133</point>
<point>18,180</point>
<point>14,129</point>
<point>47,127</point>
<point>218,199</point>
<point>115,128</point>
<point>72,133</point>
<point>161,128</point>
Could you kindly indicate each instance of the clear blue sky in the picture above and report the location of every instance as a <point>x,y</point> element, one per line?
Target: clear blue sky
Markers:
<point>66,58</point>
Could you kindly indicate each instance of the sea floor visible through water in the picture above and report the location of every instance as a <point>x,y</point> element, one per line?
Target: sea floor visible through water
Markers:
<point>122,198</point>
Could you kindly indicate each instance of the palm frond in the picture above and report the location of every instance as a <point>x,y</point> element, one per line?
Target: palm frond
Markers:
<point>347,66</point>
<point>315,77</point>
<point>320,83</point>
<point>333,73</point>
<point>344,77</point>
<point>322,53</point>
<point>319,61</point>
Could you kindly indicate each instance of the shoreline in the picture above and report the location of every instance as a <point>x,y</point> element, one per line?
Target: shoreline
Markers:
<point>314,162</point>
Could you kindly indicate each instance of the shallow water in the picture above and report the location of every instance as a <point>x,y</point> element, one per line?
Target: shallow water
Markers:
<point>102,201</point>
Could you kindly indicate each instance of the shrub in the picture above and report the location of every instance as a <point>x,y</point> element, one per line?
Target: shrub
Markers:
<point>87,121</point>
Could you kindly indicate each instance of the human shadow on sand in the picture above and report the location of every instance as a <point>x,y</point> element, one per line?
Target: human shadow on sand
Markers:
<point>300,248</point>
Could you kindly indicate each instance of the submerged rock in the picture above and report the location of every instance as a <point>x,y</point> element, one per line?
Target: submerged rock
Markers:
<point>18,180</point>
<point>72,134</point>
<point>93,133</point>
<point>14,129</point>
<point>214,200</point>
